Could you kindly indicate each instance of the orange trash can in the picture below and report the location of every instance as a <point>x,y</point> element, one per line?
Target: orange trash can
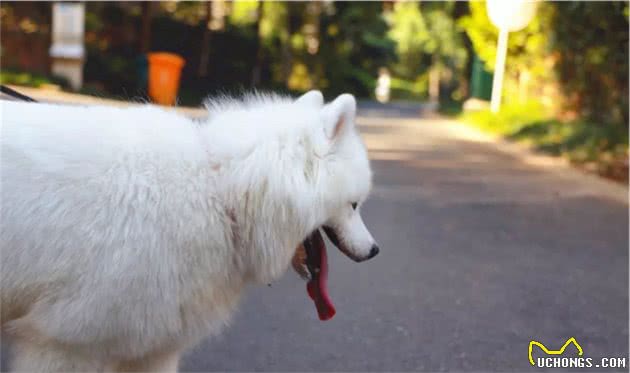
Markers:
<point>164,72</point>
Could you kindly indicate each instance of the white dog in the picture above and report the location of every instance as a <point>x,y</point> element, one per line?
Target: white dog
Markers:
<point>128,235</point>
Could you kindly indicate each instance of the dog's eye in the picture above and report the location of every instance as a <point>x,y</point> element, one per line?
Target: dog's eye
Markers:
<point>354,205</point>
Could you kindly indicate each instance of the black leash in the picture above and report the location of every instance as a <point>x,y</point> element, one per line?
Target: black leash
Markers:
<point>10,92</point>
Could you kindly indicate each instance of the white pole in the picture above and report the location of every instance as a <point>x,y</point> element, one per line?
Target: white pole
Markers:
<point>67,49</point>
<point>499,69</point>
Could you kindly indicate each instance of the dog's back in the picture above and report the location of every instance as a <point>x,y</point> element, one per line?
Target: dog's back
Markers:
<point>94,202</point>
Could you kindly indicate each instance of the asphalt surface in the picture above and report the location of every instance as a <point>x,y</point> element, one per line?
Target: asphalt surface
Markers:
<point>483,248</point>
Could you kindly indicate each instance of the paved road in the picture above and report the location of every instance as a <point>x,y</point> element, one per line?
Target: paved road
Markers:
<point>483,249</point>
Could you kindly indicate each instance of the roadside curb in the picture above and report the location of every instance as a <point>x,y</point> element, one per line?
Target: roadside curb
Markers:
<point>61,97</point>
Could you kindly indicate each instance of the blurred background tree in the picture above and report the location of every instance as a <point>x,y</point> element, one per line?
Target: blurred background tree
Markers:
<point>354,44</point>
<point>591,53</point>
<point>566,85</point>
<point>569,65</point>
<point>578,49</point>
<point>530,61</point>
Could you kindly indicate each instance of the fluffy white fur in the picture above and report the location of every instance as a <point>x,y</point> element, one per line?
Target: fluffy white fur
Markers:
<point>128,234</point>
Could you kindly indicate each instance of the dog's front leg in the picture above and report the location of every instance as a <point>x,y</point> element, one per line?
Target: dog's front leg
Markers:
<point>39,356</point>
<point>163,362</point>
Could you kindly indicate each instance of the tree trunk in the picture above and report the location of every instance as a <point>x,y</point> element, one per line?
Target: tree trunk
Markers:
<point>434,84</point>
<point>145,37</point>
<point>314,10</point>
<point>205,43</point>
<point>259,48</point>
<point>287,53</point>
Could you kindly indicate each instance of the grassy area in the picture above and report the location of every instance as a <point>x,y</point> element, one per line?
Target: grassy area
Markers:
<point>598,147</point>
<point>29,79</point>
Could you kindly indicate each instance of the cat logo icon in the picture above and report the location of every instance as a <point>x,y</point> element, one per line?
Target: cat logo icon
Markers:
<point>553,352</point>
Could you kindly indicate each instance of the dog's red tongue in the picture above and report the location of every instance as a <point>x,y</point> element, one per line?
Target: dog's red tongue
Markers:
<point>317,287</point>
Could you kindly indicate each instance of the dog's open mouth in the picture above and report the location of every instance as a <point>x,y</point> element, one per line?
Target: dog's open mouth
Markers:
<point>311,263</point>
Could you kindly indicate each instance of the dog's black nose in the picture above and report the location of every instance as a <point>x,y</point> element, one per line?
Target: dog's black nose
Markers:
<point>373,252</point>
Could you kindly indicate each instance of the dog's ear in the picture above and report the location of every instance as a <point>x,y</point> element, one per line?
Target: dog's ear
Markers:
<point>311,98</point>
<point>339,115</point>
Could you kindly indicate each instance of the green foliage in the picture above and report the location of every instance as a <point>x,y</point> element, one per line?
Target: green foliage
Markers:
<point>409,90</point>
<point>30,79</point>
<point>244,13</point>
<point>427,37</point>
<point>602,147</point>
<point>353,45</point>
<point>410,33</point>
<point>445,42</point>
<point>570,62</point>
<point>510,119</point>
<point>188,12</point>
<point>274,21</point>
<point>580,50</point>
<point>524,46</point>
<point>591,43</point>
<point>448,50</point>
<point>528,49</point>
<point>581,45</point>
<point>582,141</point>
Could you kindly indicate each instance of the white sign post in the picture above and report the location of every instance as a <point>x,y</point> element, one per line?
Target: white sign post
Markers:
<point>67,50</point>
<point>506,15</point>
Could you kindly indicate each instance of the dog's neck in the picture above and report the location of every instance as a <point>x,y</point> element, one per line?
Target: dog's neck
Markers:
<point>267,177</point>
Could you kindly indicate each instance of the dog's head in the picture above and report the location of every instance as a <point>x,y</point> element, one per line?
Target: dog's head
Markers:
<point>346,173</point>
<point>344,180</point>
